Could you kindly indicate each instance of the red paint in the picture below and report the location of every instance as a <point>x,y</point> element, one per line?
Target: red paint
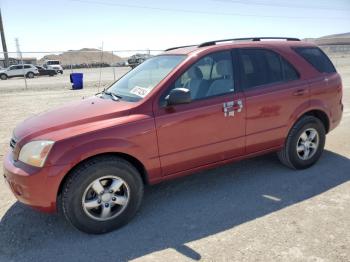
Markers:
<point>171,142</point>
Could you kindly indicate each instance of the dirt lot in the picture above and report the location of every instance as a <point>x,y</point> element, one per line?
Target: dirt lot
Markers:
<point>254,210</point>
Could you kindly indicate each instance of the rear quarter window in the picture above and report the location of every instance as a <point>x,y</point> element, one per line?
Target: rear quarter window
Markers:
<point>317,58</point>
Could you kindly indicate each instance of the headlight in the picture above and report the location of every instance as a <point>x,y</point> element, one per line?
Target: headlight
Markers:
<point>35,153</point>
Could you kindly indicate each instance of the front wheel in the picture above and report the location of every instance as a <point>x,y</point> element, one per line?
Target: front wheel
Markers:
<point>304,144</point>
<point>102,195</point>
<point>30,75</point>
<point>3,77</point>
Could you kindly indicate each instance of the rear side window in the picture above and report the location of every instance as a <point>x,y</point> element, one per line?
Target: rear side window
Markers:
<point>261,67</point>
<point>317,58</point>
<point>27,66</point>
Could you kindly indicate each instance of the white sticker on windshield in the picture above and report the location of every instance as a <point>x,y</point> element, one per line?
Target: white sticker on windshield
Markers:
<point>140,91</point>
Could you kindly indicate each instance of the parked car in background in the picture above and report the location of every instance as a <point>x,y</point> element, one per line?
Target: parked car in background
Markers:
<point>26,70</point>
<point>46,71</point>
<point>186,110</point>
<point>119,64</point>
<point>53,64</point>
<point>137,59</point>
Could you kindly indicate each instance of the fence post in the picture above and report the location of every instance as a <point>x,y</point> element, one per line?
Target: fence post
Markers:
<point>99,81</point>
<point>113,68</point>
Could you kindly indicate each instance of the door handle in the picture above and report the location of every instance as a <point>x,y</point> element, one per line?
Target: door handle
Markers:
<point>238,106</point>
<point>299,92</point>
<point>229,108</point>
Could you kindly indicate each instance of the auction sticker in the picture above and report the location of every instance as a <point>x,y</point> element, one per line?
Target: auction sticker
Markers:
<point>140,91</point>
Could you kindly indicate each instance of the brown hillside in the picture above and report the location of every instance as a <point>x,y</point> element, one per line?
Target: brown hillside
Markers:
<point>83,56</point>
<point>337,39</point>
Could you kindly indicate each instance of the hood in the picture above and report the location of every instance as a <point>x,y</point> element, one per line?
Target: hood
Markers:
<point>73,114</point>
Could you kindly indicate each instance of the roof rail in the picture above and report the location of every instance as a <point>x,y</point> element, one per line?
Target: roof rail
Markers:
<point>177,47</point>
<point>248,39</point>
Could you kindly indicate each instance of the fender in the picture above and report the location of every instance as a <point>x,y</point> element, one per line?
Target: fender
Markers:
<point>68,153</point>
<point>308,106</point>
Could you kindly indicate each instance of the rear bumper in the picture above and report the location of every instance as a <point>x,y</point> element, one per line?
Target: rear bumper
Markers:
<point>36,187</point>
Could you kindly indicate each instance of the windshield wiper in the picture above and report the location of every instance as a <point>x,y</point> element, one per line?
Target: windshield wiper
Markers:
<point>114,96</point>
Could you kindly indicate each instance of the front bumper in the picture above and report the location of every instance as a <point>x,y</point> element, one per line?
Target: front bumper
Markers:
<point>36,187</point>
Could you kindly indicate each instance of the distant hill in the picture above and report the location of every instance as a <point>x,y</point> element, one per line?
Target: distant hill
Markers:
<point>83,56</point>
<point>336,39</point>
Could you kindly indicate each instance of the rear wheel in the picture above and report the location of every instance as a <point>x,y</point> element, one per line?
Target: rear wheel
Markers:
<point>102,195</point>
<point>304,144</point>
<point>3,77</point>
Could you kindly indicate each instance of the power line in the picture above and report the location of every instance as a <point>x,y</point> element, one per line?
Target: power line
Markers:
<point>88,51</point>
<point>202,12</point>
<point>279,4</point>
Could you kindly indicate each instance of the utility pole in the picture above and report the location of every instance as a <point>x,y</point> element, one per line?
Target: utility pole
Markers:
<point>3,41</point>
<point>19,53</point>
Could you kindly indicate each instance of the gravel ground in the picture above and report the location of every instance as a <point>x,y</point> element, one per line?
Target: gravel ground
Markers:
<point>254,210</point>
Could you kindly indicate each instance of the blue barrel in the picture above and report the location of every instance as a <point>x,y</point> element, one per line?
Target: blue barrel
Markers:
<point>77,80</point>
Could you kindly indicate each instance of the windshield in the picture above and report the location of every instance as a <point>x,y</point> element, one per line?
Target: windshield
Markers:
<point>136,84</point>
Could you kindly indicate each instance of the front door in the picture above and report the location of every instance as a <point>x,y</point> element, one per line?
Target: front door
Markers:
<point>15,70</point>
<point>211,127</point>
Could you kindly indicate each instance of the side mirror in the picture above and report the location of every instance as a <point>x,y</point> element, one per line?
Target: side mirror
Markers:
<point>178,96</point>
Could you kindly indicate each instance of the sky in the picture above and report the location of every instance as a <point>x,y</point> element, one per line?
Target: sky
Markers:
<point>123,25</point>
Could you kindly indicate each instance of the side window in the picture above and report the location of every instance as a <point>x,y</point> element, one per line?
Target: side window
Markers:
<point>316,58</point>
<point>289,71</point>
<point>27,66</point>
<point>212,75</point>
<point>261,67</point>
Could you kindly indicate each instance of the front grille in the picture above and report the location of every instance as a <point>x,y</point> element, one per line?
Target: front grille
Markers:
<point>13,143</point>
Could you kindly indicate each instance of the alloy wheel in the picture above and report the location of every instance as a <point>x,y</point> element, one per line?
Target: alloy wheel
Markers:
<point>105,198</point>
<point>307,144</point>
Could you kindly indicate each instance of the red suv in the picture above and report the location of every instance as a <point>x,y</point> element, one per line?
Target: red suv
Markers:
<point>185,110</point>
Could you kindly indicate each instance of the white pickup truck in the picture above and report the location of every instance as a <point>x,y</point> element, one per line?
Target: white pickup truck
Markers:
<point>53,64</point>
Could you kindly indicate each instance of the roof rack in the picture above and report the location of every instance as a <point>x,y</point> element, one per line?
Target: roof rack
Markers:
<point>236,39</point>
<point>248,39</point>
<point>177,47</point>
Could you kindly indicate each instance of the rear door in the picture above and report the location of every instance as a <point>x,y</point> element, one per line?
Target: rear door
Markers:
<point>273,90</point>
<point>209,129</point>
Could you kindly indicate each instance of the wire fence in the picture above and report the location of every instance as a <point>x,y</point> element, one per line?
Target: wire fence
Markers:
<point>100,68</point>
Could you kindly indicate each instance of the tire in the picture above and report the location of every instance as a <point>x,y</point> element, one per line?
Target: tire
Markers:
<point>294,153</point>
<point>3,77</point>
<point>30,75</point>
<point>78,193</point>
